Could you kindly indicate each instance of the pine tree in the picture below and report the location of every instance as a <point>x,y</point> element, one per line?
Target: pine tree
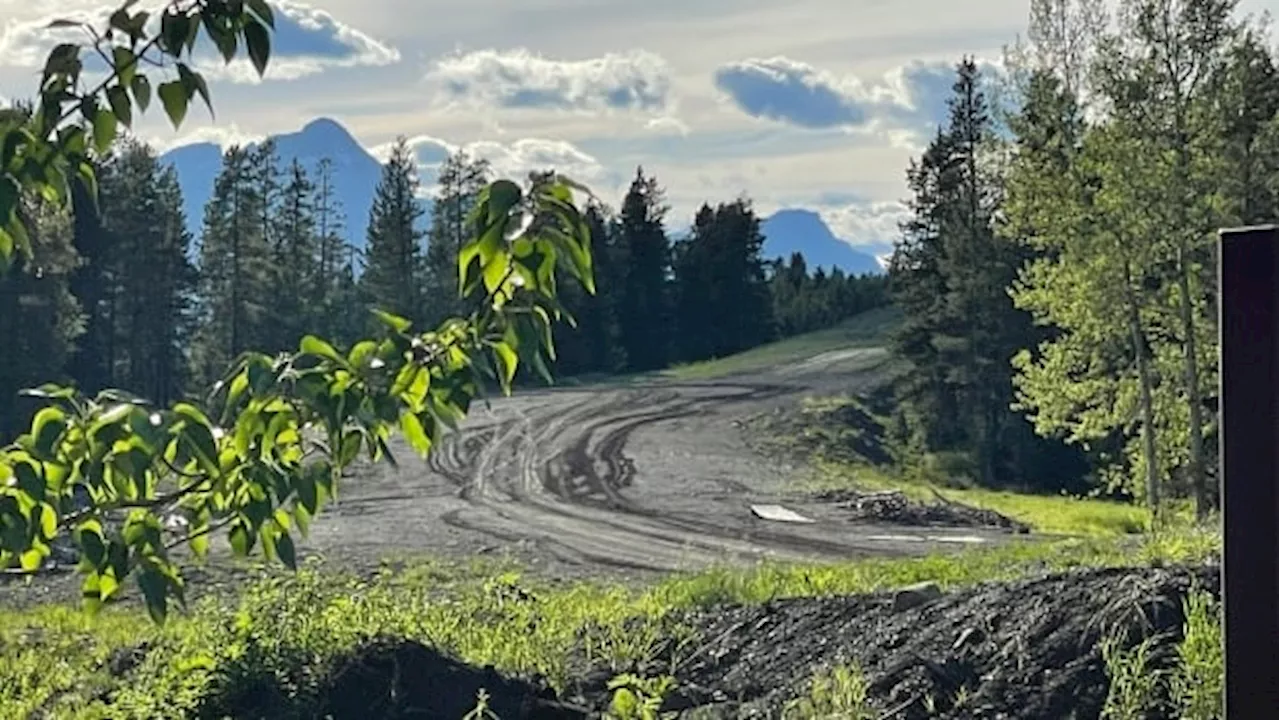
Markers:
<point>336,307</point>
<point>296,272</point>
<point>644,253</point>
<point>235,269</point>
<point>459,183</point>
<point>392,279</point>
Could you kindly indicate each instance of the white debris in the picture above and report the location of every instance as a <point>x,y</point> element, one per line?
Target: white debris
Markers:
<point>779,514</point>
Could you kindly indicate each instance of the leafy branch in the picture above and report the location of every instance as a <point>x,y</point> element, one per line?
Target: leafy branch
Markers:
<point>265,451</point>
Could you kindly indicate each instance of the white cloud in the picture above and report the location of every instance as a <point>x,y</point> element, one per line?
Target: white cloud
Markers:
<point>635,80</point>
<point>507,159</point>
<point>865,223</point>
<point>306,41</point>
<point>223,136</point>
<point>899,106</point>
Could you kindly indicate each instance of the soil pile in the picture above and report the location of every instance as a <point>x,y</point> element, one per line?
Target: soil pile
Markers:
<point>1027,649</point>
<point>895,507</point>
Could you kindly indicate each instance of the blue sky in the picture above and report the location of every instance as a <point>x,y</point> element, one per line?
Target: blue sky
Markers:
<point>797,103</point>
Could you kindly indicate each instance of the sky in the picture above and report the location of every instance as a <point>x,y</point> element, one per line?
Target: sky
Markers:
<point>817,104</point>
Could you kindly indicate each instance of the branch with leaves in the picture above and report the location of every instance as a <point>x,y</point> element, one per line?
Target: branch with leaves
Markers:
<point>265,450</point>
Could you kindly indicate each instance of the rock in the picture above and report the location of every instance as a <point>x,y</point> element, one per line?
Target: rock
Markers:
<point>915,595</point>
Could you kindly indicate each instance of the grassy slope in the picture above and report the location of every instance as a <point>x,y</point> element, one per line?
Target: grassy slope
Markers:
<point>866,330</point>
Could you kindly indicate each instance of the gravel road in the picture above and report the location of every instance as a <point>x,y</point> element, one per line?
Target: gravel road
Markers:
<point>635,477</point>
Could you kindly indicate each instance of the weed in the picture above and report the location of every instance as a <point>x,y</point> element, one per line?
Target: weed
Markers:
<point>1197,685</point>
<point>1134,684</point>
<point>837,692</point>
<point>639,698</point>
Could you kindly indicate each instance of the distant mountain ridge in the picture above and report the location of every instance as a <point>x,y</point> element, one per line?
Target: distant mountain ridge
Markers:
<point>804,231</point>
<point>356,173</point>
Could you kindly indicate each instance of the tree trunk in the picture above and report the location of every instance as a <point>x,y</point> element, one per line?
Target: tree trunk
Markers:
<point>1194,400</point>
<point>1144,396</point>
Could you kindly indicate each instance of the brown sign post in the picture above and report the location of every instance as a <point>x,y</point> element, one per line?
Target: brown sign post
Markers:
<point>1249,474</point>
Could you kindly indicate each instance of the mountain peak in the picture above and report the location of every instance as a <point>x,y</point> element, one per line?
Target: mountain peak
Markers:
<point>798,230</point>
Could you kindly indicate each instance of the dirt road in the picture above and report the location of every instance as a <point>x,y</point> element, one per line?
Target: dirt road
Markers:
<point>645,477</point>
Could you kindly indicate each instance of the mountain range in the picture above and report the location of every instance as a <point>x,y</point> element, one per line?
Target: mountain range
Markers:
<point>356,174</point>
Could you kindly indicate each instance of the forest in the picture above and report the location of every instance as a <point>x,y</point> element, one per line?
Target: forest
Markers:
<point>126,298</point>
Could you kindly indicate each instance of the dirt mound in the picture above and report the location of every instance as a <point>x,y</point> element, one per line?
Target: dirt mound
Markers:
<point>895,507</point>
<point>397,678</point>
<point>1027,649</point>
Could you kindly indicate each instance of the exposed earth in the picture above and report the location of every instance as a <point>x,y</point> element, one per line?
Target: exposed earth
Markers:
<point>638,477</point>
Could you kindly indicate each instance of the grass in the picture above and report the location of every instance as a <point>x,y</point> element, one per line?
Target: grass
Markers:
<point>865,330</point>
<point>837,692</point>
<point>280,635</point>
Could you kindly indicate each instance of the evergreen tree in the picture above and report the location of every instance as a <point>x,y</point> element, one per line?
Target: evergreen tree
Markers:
<point>296,271</point>
<point>235,269</point>
<point>39,317</point>
<point>722,299</point>
<point>335,304</point>
<point>962,329</point>
<point>459,183</point>
<point>392,278</point>
<point>644,254</point>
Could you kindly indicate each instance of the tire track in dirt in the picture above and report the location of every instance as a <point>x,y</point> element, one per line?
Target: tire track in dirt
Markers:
<point>558,475</point>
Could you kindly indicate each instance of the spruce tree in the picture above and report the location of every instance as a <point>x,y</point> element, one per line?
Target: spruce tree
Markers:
<point>644,254</point>
<point>394,269</point>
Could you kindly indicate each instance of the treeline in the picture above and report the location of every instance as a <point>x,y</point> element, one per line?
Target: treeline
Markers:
<point>1057,274</point>
<point>120,295</point>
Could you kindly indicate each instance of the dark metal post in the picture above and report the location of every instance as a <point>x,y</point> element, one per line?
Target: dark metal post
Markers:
<point>1249,383</point>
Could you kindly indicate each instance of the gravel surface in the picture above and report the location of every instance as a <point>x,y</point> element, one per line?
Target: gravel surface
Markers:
<point>637,478</point>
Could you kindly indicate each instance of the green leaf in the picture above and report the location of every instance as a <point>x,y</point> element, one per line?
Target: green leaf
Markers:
<point>104,129</point>
<point>200,544</point>
<point>174,98</point>
<point>175,28</point>
<point>91,594</point>
<point>121,108</point>
<point>48,521</point>
<point>414,433</point>
<point>507,361</point>
<point>141,88</point>
<point>504,195</point>
<point>285,549</point>
<point>241,540</point>
<point>258,43</point>
<point>155,590</point>
<point>350,448</point>
<point>63,23</point>
<point>313,345</point>
<point>395,322</point>
<point>194,83</point>
<point>46,428</point>
<point>92,545</point>
<point>125,64</point>
<point>263,11</point>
